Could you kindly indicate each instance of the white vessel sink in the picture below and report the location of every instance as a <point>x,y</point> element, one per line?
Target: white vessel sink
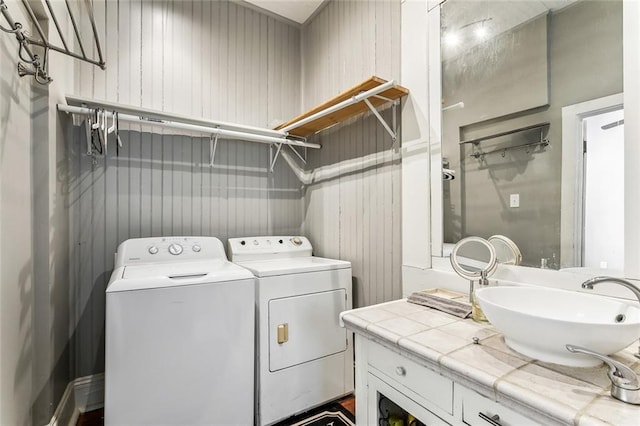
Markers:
<point>538,322</point>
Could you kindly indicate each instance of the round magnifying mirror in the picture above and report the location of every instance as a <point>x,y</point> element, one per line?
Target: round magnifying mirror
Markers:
<point>472,257</point>
<point>507,252</point>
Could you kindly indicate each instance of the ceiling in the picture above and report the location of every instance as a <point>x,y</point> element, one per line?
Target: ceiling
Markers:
<point>295,10</point>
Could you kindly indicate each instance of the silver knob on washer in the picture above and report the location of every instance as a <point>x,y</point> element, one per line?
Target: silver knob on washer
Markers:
<point>196,248</point>
<point>175,249</point>
<point>153,250</point>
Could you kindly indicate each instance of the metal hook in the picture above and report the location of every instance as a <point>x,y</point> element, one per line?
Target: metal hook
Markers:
<point>504,152</point>
<point>96,114</point>
<point>39,73</point>
<point>113,124</point>
<point>35,61</point>
<point>18,25</point>
<point>89,133</point>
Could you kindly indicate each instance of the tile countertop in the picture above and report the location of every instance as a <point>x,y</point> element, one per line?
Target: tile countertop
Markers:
<point>444,343</point>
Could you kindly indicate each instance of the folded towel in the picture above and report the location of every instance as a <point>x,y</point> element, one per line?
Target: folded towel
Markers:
<point>450,306</point>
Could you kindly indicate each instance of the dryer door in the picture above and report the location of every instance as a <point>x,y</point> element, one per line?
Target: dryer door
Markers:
<point>307,328</point>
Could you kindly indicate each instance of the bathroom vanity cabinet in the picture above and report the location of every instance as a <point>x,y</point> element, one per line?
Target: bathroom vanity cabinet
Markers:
<point>425,394</point>
<point>412,360</point>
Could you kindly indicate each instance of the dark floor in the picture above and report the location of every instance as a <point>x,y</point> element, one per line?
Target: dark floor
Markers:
<point>96,417</point>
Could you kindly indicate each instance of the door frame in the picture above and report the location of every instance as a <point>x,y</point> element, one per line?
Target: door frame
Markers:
<point>572,185</point>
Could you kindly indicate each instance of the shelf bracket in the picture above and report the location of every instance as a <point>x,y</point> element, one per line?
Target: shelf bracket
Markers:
<point>295,151</point>
<point>213,145</point>
<point>382,121</point>
<point>275,157</point>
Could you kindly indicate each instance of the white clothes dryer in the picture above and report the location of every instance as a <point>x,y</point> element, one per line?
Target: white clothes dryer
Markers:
<point>179,335</point>
<point>303,357</point>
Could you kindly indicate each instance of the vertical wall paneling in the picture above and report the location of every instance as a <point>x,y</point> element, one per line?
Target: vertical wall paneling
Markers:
<point>215,60</point>
<point>355,216</point>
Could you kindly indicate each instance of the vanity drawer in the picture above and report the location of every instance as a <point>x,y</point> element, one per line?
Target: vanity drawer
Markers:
<point>478,410</point>
<point>429,385</point>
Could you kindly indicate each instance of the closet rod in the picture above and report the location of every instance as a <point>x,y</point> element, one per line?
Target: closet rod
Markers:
<point>353,100</point>
<point>508,132</point>
<point>165,116</point>
<point>192,127</point>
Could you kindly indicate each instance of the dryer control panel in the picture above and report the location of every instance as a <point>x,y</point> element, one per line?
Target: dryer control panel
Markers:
<point>264,248</point>
<point>168,249</point>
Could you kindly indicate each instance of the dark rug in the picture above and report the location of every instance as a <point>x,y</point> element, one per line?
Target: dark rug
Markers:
<point>332,414</point>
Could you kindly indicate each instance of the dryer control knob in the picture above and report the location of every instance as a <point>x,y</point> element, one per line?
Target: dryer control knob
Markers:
<point>255,242</point>
<point>196,248</point>
<point>175,249</point>
<point>153,250</point>
<point>296,241</point>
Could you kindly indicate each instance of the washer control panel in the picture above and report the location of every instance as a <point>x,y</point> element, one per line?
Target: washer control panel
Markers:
<point>168,249</point>
<point>264,248</point>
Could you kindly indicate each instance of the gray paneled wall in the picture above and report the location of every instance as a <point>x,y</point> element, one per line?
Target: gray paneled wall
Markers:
<point>212,59</point>
<point>162,185</point>
<point>355,216</point>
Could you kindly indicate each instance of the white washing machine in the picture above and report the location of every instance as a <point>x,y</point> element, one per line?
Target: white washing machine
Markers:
<point>303,357</point>
<point>179,335</point>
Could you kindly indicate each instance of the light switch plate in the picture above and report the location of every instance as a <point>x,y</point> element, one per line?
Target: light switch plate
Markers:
<point>514,200</point>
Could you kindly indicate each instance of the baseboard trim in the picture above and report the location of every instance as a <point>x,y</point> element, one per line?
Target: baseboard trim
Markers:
<point>81,395</point>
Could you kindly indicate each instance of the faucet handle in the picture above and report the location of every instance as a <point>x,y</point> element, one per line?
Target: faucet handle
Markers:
<point>624,381</point>
<point>620,374</point>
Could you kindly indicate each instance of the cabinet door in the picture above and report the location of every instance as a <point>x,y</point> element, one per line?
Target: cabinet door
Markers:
<point>378,388</point>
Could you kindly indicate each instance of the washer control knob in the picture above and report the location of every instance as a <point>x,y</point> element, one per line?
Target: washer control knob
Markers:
<point>153,250</point>
<point>175,249</point>
<point>196,248</point>
<point>297,241</point>
<point>255,242</point>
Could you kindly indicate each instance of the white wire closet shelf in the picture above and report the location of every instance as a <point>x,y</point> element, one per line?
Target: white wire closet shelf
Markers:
<point>103,118</point>
<point>368,94</point>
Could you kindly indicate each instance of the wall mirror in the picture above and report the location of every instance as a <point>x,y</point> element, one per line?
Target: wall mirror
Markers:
<point>507,72</point>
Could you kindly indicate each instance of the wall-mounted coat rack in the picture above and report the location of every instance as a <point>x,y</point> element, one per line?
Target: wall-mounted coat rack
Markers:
<point>102,118</point>
<point>31,63</point>
<point>480,154</point>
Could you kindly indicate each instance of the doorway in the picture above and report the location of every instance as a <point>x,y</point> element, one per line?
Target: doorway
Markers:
<point>603,191</point>
<point>592,188</point>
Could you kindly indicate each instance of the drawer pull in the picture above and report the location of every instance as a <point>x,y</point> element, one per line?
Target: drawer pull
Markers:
<point>401,371</point>
<point>493,420</point>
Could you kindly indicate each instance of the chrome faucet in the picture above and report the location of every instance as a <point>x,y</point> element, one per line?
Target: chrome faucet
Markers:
<point>624,381</point>
<point>588,284</point>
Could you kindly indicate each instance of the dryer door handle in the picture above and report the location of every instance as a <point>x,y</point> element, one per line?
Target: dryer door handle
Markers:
<point>283,333</point>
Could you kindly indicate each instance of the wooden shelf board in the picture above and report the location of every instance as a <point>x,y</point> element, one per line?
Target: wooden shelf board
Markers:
<point>346,112</point>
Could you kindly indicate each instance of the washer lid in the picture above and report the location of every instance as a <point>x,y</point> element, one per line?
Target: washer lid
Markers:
<point>143,277</point>
<point>294,265</point>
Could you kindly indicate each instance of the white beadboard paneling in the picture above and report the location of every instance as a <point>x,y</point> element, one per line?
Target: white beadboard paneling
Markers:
<point>211,59</point>
<point>355,216</point>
